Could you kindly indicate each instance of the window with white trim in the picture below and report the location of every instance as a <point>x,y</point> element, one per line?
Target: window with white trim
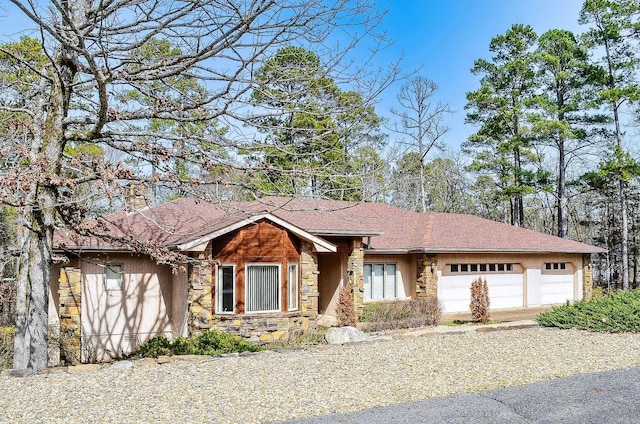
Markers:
<point>262,287</point>
<point>292,287</point>
<point>380,281</point>
<point>225,289</point>
<point>113,277</point>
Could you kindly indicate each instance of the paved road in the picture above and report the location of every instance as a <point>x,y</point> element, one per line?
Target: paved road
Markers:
<point>607,397</point>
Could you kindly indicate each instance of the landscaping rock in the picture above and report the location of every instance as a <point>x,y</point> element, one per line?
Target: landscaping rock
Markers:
<point>123,365</point>
<point>342,335</point>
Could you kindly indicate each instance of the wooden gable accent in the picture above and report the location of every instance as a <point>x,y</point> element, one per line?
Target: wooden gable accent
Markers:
<point>260,242</point>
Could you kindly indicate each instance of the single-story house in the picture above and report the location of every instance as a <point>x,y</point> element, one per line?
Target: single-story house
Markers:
<point>267,268</point>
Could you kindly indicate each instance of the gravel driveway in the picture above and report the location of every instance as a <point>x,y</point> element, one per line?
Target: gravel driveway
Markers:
<point>272,386</point>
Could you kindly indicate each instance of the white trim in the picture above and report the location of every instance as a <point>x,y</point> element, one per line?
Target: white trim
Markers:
<point>120,273</point>
<point>219,289</point>
<point>297,282</point>
<point>397,282</point>
<point>246,290</point>
<point>200,243</point>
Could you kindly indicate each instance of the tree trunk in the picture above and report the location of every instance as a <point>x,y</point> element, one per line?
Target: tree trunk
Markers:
<point>32,304</point>
<point>517,217</point>
<point>563,221</point>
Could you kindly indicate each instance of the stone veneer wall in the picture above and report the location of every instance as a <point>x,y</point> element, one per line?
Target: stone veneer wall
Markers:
<point>587,277</point>
<point>199,297</point>
<point>309,282</point>
<point>427,278</point>
<point>355,271</point>
<point>70,304</point>
<point>264,328</point>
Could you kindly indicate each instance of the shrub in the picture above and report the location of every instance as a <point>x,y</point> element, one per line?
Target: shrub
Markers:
<point>597,293</point>
<point>345,310</point>
<point>215,342</point>
<point>401,314</point>
<point>480,300</point>
<point>615,312</point>
<point>212,342</point>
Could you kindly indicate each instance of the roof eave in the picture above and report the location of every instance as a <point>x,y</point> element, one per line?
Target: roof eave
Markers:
<point>503,250</point>
<point>200,243</point>
<point>346,233</point>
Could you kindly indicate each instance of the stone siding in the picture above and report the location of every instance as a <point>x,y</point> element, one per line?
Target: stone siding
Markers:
<point>70,306</point>
<point>264,328</point>
<point>427,275</point>
<point>200,297</point>
<point>587,277</point>
<point>309,282</point>
<point>355,271</point>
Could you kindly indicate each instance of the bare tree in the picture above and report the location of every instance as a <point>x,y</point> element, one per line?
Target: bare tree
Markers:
<point>422,122</point>
<point>88,87</point>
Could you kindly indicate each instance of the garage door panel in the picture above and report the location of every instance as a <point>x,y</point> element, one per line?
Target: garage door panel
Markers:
<point>556,289</point>
<point>505,291</point>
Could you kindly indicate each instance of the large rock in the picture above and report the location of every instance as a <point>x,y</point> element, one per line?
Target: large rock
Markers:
<point>341,335</point>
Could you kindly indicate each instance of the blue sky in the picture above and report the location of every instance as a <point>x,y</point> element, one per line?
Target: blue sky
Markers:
<point>444,37</point>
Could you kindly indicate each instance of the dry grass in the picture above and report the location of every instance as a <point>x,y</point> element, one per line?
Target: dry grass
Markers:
<point>401,314</point>
<point>6,347</point>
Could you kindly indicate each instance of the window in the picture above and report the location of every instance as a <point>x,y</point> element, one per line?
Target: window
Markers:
<point>113,277</point>
<point>292,288</point>
<point>262,287</point>
<point>380,281</point>
<point>486,267</point>
<point>225,289</point>
<point>555,265</point>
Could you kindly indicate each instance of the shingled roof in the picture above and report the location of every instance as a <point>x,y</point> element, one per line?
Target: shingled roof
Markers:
<point>385,228</point>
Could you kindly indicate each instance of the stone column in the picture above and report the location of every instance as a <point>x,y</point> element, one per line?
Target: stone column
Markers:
<point>200,299</point>
<point>427,275</point>
<point>587,277</point>
<point>308,286</point>
<point>70,306</point>
<point>355,271</point>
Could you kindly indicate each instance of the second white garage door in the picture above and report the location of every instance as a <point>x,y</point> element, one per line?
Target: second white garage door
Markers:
<point>556,283</point>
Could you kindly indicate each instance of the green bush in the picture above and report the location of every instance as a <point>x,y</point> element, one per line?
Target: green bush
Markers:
<point>400,314</point>
<point>615,312</point>
<point>212,342</point>
<point>218,342</point>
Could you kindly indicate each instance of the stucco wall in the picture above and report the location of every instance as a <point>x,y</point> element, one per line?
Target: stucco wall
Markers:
<point>333,274</point>
<point>179,303</point>
<point>114,322</point>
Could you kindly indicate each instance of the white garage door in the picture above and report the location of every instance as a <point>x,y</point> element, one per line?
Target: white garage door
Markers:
<point>505,291</point>
<point>556,285</point>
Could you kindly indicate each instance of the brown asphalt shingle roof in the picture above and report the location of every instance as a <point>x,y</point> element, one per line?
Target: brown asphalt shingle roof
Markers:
<point>390,228</point>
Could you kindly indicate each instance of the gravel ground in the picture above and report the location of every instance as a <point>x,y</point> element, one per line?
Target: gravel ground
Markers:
<point>278,386</point>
